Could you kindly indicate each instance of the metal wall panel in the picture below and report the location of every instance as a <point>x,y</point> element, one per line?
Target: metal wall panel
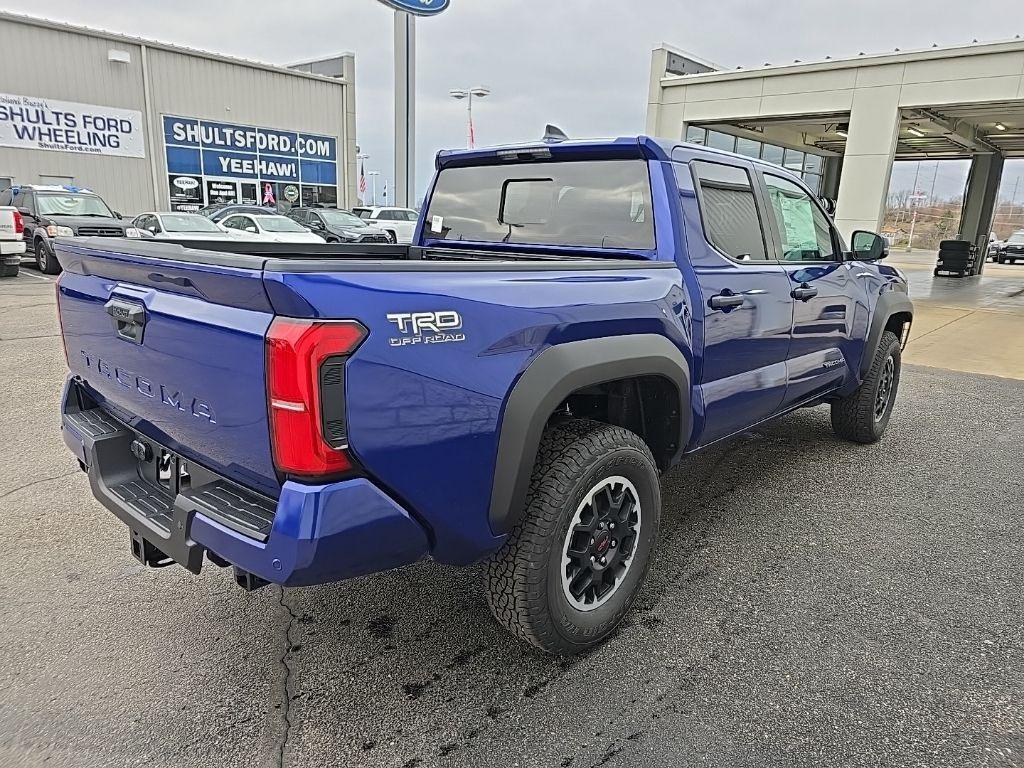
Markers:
<point>58,62</point>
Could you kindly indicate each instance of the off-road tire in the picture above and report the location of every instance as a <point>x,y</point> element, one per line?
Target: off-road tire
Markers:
<point>524,578</point>
<point>854,417</point>
<point>47,263</point>
<point>8,270</point>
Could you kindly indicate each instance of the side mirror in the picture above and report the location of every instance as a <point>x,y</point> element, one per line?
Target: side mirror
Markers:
<point>251,229</point>
<point>869,246</point>
<point>829,205</point>
<point>117,215</point>
<point>26,213</point>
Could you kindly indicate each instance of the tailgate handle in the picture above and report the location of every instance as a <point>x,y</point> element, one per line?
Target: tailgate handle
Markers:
<point>129,319</point>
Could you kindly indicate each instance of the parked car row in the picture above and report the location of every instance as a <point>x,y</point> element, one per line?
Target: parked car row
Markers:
<point>32,216</point>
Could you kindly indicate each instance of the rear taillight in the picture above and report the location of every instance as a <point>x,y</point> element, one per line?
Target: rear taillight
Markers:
<point>19,223</point>
<point>306,389</point>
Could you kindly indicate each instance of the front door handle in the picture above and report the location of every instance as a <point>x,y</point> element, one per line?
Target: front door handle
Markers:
<point>725,301</point>
<point>804,292</point>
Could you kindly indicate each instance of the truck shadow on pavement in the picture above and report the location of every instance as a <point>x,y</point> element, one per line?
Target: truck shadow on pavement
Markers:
<point>408,668</point>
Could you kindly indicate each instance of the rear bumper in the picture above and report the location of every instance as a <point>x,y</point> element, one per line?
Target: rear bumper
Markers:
<point>11,251</point>
<point>312,534</point>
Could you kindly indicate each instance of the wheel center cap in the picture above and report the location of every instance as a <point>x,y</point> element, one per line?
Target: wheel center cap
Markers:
<point>602,542</point>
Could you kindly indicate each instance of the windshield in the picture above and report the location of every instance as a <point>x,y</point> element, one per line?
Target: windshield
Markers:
<point>341,218</point>
<point>1016,237</point>
<point>187,222</point>
<point>280,224</point>
<point>593,203</point>
<point>72,205</point>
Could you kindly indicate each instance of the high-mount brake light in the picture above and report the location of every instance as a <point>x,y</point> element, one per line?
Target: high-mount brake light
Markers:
<point>306,394</point>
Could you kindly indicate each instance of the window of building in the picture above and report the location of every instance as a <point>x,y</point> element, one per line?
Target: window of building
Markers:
<point>794,161</point>
<point>696,135</point>
<point>772,154</point>
<point>809,167</point>
<point>729,211</point>
<point>748,147</point>
<point>719,140</point>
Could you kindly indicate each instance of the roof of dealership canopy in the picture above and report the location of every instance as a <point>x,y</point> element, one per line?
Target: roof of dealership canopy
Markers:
<point>955,101</point>
<point>156,44</point>
<point>715,72</point>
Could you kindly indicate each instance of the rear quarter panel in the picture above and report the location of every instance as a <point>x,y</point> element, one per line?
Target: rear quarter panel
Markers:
<point>423,417</point>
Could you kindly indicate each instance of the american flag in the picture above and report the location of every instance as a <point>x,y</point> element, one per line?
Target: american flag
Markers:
<point>472,133</point>
<point>362,179</point>
<point>385,191</point>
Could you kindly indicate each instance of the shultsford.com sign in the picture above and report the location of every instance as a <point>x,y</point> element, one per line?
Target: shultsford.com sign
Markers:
<point>29,122</point>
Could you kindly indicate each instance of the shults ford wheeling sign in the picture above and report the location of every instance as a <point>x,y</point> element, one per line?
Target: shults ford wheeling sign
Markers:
<point>418,7</point>
<point>30,122</point>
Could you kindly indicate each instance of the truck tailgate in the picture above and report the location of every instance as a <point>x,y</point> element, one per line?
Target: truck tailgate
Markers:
<point>175,350</point>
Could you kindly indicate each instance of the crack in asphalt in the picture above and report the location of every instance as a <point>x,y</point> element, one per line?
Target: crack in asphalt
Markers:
<point>5,494</point>
<point>286,699</point>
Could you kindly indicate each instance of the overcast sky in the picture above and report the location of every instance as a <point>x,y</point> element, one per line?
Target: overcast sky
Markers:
<point>581,64</point>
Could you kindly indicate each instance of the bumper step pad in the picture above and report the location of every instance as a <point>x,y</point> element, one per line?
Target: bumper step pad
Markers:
<point>160,520</point>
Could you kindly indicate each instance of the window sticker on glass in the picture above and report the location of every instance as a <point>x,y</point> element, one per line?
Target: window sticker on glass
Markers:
<point>437,224</point>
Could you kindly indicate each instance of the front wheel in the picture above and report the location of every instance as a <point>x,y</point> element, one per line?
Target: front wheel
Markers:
<point>47,263</point>
<point>571,569</point>
<point>863,415</point>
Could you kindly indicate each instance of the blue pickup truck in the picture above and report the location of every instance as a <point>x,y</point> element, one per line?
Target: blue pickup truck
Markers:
<point>572,319</point>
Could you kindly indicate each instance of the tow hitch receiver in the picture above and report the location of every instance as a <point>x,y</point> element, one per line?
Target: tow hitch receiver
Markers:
<point>248,581</point>
<point>146,553</point>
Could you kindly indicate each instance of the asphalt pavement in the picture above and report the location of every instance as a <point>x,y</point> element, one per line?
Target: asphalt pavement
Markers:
<point>811,603</point>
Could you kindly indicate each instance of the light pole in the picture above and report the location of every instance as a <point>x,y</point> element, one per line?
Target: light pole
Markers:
<point>362,158</point>
<point>373,178</point>
<point>468,93</point>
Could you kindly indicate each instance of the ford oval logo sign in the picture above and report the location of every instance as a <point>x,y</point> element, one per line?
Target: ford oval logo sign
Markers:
<point>418,7</point>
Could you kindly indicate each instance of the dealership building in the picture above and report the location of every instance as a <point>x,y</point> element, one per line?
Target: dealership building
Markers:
<point>841,123</point>
<point>153,126</point>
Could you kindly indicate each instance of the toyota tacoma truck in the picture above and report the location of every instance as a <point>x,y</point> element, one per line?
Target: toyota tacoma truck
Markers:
<point>572,319</point>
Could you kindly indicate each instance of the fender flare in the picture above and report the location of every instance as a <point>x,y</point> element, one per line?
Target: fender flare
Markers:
<point>889,304</point>
<point>552,376</point>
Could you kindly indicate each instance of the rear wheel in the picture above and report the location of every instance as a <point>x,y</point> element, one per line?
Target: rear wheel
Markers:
<point>570,571</point>
<point>863,415</point>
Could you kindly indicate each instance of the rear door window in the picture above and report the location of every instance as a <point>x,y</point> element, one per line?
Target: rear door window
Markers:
<point>728,208</point>
<point>592,204</point>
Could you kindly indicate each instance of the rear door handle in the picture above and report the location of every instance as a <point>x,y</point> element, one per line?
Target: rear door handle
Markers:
<point>804,292</point>
<point>725,301</point>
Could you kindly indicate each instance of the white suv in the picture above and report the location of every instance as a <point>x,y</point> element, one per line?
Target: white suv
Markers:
<point>399,223</point>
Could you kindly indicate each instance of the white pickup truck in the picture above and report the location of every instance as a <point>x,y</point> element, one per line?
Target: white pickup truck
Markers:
<point>12,243</point>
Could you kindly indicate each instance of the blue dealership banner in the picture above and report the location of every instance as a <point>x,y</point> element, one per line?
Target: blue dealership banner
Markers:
<point>214,150</point>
